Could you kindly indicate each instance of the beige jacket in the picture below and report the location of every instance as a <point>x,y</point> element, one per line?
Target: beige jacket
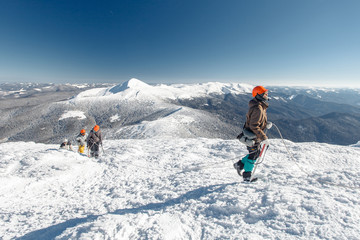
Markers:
<point>256,119</point>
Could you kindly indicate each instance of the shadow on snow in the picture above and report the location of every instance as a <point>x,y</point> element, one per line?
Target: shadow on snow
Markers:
<point>55,230</point>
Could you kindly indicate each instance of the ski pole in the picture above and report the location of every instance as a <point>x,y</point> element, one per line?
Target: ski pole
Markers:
<point>102,149</point>
<point>90,148</point>
<point>261,156</point>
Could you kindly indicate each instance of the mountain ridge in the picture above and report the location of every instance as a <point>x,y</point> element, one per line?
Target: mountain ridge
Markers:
<point>217,111</point>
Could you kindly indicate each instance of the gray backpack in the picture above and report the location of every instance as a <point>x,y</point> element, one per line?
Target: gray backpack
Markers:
<point>247,137</point>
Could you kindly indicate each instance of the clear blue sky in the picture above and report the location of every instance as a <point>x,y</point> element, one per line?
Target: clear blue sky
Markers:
<point>269,42</point>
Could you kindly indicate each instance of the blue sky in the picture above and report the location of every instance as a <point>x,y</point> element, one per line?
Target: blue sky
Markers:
<point>277,42</point>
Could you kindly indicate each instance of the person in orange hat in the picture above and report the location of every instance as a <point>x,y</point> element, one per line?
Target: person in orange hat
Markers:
<point>256,123</point>
<point>94,140</point>
<point>81,139</point>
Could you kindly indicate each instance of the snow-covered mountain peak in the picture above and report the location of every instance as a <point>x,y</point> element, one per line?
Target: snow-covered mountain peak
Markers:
<point>126,90</point>
<point>181,91</point>
<point>132,84</point>
<point>135,89</point>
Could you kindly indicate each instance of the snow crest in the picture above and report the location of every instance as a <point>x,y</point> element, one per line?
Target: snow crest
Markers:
<point>132,83</point>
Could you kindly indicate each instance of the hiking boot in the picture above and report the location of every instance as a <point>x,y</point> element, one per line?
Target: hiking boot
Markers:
<point>247,176</point>
<point>239,166</point>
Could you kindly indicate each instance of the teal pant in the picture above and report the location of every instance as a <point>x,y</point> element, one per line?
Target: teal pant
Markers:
<point>248,163</point>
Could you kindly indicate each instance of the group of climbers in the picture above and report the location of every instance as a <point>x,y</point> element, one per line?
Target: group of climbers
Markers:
<point>92,141</point>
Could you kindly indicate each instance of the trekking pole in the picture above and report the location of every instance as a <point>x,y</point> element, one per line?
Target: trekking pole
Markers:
<point>261,156</point>
<point>102,149</point>
<point>90,148</point>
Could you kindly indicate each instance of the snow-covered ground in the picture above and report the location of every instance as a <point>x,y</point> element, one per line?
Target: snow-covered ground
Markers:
<point>73,114</point>
<point>178,189</point>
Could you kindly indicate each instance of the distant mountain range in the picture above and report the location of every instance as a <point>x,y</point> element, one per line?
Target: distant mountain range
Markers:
<point>47,113</point>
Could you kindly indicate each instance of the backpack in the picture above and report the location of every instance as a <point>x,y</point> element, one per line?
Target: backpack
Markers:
<point>247,137</point>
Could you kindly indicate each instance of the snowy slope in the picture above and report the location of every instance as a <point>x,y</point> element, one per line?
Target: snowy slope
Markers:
<point>178,189</point>
<point>135,109</point>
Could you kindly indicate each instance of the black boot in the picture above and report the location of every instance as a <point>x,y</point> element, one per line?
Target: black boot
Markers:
<point>247,176</point>
<point>239,166</point>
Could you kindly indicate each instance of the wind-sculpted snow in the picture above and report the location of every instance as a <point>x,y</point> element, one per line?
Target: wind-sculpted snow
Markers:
<point>178,189</point>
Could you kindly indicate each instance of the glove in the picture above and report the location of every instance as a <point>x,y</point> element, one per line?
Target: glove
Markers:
<point>268,125</point>
<point>266,142</point>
